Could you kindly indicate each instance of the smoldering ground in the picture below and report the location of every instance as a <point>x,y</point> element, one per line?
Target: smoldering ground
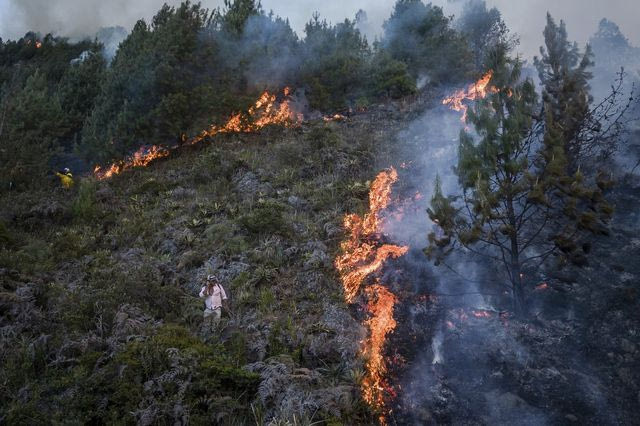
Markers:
<point>466,360</point>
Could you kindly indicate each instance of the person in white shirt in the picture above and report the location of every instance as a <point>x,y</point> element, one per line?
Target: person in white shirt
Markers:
<point>214,294</point>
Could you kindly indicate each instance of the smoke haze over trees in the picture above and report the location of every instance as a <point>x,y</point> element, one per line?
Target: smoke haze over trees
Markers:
<point>83,18</point>
<point>517,172</point>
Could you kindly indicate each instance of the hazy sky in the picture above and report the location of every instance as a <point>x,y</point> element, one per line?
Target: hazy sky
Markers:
<point>525,17</point>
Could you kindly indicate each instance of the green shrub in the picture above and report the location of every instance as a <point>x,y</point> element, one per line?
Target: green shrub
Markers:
<point>266,300</point>
<point>266,218</point>
<point>151,186</point>
<point>5,237</point>
<point>84,206</point>
<point>323,137</point>
<point>213,376</point>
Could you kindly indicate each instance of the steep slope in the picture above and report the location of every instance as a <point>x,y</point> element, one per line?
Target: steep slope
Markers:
<point>100,320</point>
<point>100,316</point>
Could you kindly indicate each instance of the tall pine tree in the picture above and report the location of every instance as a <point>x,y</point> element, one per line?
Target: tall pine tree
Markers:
<point>518,205</point>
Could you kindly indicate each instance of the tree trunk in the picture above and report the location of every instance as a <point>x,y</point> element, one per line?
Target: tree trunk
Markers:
<point>519,304</point>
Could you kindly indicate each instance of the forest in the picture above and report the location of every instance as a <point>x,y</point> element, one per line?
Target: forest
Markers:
<point>423,228</point>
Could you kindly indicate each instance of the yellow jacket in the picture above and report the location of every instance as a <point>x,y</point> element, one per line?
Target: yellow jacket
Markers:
<point>66,179</point>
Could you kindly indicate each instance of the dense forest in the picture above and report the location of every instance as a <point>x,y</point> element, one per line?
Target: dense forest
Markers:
<point>190,67</point>
<point>100,322</point>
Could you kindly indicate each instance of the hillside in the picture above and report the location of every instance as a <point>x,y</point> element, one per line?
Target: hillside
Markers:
<point>101,320</point>
<point>99,302</point>
<point>426,229</point>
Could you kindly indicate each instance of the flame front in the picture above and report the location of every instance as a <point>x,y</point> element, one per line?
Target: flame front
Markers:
<point>141,158</point>
<point>477,90</point>
<point>375,386</point>
<point>266,111</point>
<point>362,255</point>
<point>261,114</point>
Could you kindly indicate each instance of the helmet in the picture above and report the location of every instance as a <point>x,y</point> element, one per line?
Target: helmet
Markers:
<point>211,278</point>
<point>66,170</point>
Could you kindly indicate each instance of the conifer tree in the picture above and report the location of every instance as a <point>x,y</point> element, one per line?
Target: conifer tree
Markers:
<point>33,126</point>
<point>564,74</point>
<point>518,205</point>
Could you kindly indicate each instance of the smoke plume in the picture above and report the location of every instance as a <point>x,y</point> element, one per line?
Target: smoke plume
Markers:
<point>80,18</point>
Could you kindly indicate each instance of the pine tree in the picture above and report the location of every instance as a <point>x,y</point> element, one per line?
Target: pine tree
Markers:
<point>33,127</point>
<point>484,29</point>
<point>422,37</point>
<point>563,71</point>
<point>518,205</point>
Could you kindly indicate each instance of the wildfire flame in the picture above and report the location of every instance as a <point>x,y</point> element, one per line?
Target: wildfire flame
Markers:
<point>542,286</point>
<point>141,158</point>
<point>477,90</point>
<point>266,111</point>
<point>482,314</point>
<point>362,255</point>
<point>381,323</point>
<point>335,117</point>
<point>262,113</point>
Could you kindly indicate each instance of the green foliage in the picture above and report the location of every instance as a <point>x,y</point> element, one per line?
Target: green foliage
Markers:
<point>484,30</point>
<point>84,206</point>
<point>32,126</point>
<point>77,91</point>
<point>391,77</point>
<point>323,136</point>
<point>563,71</point>
<point>237,12</point>
<point>266,218</point>
<point>518,203</point>
<point>266,300</point>
<point>421,36</point>
<point>335,65</point>
<point>211,376</point>
<point>153,85</point>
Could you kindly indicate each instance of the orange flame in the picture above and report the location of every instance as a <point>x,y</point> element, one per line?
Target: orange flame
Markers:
<point>264,112</point>
<point>477,90</point>
<point>381,323</point>
<point>363,255</point>
<point>482,314</point>
<point>141,158</point>
<point>335,117</point>
<point>542,286</point>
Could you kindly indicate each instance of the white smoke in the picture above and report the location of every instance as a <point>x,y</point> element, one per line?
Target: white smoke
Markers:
<point>80,18</point>
<point>436,347</point>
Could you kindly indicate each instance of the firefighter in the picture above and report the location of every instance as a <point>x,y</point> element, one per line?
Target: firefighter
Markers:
<point>66,178</point>
<point>213,294</point>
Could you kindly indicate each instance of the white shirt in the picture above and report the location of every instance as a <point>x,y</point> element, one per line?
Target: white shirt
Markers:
<point>214,300</point>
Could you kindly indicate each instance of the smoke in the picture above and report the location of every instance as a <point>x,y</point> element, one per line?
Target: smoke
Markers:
<point>80,18</point>
<point>72,18</point>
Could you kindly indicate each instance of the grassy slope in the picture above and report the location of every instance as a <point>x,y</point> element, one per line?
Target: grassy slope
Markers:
<point>98,300</point>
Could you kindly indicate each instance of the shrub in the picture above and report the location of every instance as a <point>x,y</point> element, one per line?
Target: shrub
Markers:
<point>5,236</point>
<point>322,137</point>
<point>266,218</point>
<point>84,206</point>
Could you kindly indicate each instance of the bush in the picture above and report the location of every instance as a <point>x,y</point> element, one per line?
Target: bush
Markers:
<point>5,237</point>
<point>84,206</point>
<point>266,218</point>
<point>323,137</point>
